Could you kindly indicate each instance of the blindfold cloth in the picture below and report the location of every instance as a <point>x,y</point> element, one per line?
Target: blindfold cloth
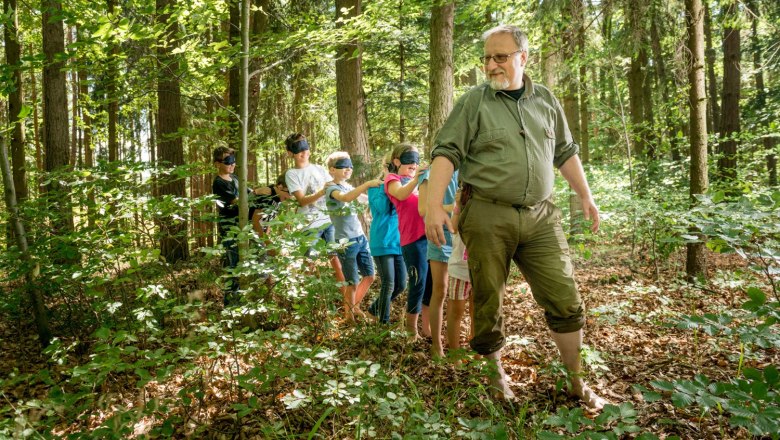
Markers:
<point>409,157</point>
<point>230,160</point>
<point>342,163</point>
<point>298,146</point>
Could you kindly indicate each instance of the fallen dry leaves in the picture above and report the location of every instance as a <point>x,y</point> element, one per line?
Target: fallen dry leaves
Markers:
<point>627,309</point>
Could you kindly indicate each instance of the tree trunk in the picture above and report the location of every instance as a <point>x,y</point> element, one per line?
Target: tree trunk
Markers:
<point>727,162</point>
<point>401,77</point>
<point>86,119</point>
<point>13,53</point>
<point>583,80</point>
<point>636,17</point>
<point>55,125</point>
<point>74,115</point>
<point>259,26</point>
<point>648,119</point>
<point>551,54</point>
<point>111,93</point>
<point>173,242</point>
<point>234,77</point>
<point>353,127</point>
<point>636,80</point>
<point>243,107</point>
<point>441,69</point>
<point>36,117</point>
<point>663,83</point>
<point>31,268</point>
<point>571,97</point>
<point>571,103</point>
<point>768,142</point>
<point>696,261</point>
<point>713,107</point>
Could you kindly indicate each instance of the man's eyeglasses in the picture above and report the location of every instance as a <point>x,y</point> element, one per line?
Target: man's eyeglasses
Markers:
<point>499,58</point>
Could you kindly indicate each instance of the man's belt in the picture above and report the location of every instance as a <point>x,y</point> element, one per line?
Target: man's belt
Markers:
<point>510,205</point>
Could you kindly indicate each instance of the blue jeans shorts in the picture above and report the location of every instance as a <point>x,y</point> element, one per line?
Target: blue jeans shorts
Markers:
<point>356,260</point>
<point>436,253</point>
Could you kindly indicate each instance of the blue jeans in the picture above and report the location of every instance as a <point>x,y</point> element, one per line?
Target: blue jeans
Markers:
<point>415,256</point>
<point>392,272</point>
<point>356,260</point>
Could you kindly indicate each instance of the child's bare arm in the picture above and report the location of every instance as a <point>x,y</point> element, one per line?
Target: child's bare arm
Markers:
<point>354,193</point>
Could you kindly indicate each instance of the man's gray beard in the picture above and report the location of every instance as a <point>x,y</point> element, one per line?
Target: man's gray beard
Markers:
<point>498,85</point>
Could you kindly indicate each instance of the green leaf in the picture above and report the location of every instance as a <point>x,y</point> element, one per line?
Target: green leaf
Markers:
<point>104,30</point>
<point>681,400</point>
<point>547,435</point>
<point>627,410</point>
<point>759,390</point>
<point>771,375</point>
<point>737,421</point>
<point>766,425</point>
<point>662,385</point>
<point>103,333</point>
<point>25,111</point>
<point>752,374</point>
<point>757,299</point>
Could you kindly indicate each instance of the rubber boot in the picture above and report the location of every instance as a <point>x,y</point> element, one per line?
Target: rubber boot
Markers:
<point>569,345</point>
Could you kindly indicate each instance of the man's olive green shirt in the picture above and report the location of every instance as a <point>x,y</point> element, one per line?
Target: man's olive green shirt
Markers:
<point>506,149</point>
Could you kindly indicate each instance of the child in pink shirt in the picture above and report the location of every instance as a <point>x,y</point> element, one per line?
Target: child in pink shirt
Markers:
<point>401,188</point>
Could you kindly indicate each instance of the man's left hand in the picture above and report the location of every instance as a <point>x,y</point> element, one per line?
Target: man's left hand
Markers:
<point>591,213</point>
<point>436,219</point>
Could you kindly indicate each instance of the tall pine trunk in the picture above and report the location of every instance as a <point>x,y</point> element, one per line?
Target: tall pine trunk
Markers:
<point>572,98</point>
<point>663,83</point>
<point>727,162</point>
<point>173,241</point>
<point>696,261</point>
<point>767,141</point>
<point>350,102</point>
<point>13,53</point>
<point>111,92</point>
<point>55,126</point>
<point>713,106</point>
<point>234,77</point>
<point>441,70</point>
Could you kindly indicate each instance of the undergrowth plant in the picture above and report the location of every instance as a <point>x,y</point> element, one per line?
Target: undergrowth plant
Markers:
<point>751,398</point>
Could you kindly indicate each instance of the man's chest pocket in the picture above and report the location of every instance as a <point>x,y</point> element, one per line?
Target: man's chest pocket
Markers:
<point>490,145</point>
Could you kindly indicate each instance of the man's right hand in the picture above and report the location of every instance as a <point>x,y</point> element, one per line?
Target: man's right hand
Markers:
<point>436,219</point>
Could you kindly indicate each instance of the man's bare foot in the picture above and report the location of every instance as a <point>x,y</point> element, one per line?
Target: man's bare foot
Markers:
<point>437,352</point>
<point>499,385</point>
<point>582,391</point>
<point>499,382</point>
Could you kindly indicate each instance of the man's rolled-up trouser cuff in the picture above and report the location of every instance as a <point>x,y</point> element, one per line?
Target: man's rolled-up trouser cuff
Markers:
<point>564,325</point>
<point>487,343</point>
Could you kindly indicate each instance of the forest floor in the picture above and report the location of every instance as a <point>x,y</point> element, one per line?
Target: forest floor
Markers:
<point>370,381</point>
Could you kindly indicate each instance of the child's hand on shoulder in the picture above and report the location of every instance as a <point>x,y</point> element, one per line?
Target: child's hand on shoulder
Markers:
<point>374,183</point>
